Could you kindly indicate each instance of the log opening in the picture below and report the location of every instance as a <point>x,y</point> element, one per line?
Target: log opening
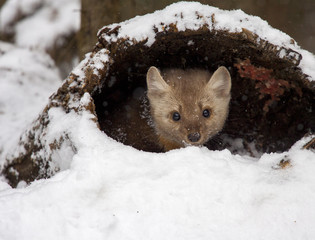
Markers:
<point>272,102</point>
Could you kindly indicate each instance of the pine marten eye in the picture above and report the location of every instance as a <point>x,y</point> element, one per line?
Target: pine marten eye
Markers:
<point>206,113</point>
<point>176,116</point>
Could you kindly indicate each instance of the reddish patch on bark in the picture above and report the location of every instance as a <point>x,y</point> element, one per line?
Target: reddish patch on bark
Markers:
<point>265,82</point>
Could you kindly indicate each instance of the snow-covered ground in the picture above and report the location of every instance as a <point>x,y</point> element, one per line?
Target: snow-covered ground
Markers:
<point>111,191</point>
<point>28,78</point>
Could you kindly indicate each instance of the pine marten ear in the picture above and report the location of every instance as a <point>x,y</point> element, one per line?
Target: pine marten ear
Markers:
<point>220,82</point>
<point>155,81</point>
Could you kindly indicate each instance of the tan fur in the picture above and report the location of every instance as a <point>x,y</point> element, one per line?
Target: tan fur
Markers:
<point>188,92</point>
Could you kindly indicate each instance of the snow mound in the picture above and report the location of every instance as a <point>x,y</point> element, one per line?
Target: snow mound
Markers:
<point>113,191</point>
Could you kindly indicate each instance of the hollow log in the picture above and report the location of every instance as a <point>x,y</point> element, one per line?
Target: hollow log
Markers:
<point>272,86</point>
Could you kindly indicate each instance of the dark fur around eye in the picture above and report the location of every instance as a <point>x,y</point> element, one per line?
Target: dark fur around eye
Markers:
<point>176,116</point>
<point>206,113</point>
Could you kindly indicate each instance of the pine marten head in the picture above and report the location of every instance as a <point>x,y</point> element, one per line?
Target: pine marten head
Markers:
<point>188,107</point>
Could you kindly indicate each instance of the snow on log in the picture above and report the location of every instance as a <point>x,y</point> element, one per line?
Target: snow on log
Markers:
<point>272,86</point>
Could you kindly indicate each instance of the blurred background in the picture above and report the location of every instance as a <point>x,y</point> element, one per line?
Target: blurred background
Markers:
<point>296,18</point>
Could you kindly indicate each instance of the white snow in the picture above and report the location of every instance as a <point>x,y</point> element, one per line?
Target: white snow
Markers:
<point>110,191</point>
<point>27,79</point>
<point>47,21</point>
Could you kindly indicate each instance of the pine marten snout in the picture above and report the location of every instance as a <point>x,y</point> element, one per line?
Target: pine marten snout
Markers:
<point>188,107</point>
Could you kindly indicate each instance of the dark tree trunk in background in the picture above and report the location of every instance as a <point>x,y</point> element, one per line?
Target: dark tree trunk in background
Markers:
<point>2,2</point>
<point>98,13</point>
<point>94,14</point>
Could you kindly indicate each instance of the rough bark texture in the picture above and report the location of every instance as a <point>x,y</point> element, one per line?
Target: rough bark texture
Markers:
<point>271,117</point>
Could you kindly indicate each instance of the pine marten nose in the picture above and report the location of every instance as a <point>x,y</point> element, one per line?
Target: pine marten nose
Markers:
<point>194,137</point>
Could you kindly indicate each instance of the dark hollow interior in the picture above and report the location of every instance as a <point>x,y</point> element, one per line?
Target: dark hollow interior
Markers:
<point>287,120</point>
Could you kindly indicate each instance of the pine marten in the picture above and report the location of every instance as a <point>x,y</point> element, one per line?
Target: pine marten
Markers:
<point>188,107</point>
